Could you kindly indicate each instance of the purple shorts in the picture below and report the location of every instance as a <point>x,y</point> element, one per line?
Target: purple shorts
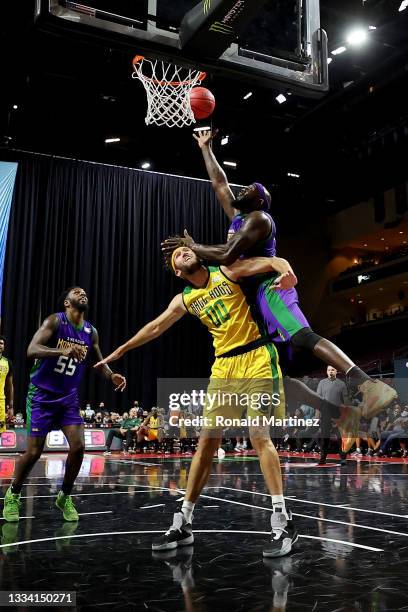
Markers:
<point>48,411</point>
<point>280,312</point>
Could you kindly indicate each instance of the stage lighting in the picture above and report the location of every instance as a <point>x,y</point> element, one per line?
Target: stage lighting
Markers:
<point>339,50</point>
<point>357,37</point>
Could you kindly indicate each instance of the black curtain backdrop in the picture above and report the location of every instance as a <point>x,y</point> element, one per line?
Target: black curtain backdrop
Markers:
<point>100,227</point>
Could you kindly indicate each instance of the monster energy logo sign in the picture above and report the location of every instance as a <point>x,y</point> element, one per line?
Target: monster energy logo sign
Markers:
<point>224,27</point>
<point>221,28</point>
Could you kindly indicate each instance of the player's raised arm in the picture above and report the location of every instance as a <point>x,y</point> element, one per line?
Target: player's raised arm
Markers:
<point>216,174</point>
<point>38,346</point>
<point>258,265</point>
<point>150,331</point>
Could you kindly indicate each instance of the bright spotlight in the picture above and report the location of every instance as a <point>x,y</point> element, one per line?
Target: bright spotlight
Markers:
<point>357,37</point>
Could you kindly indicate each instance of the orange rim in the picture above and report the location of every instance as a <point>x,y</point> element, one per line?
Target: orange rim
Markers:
<point>139,58</point>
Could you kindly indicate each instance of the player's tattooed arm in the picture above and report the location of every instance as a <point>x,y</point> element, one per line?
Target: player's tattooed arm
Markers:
<point>117,380</point>
<point>256,227</point>
<point>38,348</point>
<point>216,174</point>
<point>151,330</point>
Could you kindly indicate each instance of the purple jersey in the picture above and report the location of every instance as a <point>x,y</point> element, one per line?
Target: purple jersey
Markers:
<point>62,375</point>
<point>263,248</point>
<point>277,312</point>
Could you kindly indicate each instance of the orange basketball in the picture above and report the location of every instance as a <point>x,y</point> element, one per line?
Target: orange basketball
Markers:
<point>202,102</point>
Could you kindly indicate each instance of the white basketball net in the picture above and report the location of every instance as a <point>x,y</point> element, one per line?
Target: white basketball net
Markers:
<point>168,91</point>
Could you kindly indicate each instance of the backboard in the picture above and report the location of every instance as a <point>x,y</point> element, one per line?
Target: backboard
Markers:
<point>275,43</point>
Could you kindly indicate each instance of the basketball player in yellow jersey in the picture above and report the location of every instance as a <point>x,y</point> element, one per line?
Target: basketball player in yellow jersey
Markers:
<point>150,428</point>
<point>6,386</point>
<point>216,298</point>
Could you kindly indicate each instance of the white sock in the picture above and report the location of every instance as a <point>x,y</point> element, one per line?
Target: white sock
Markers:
<point>187,509</point>
<point>278,503</point>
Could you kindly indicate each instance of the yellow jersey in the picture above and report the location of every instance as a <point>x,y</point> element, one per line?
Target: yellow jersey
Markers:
<point>5,371</point>
<point>222,307</point>
<point>153,422</point>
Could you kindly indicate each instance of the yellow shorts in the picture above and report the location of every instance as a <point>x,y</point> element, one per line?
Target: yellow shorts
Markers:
<point>2,415</point>
<point>247,385</point>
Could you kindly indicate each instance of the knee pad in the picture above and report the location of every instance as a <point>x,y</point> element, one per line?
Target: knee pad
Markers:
<point>305,338</point>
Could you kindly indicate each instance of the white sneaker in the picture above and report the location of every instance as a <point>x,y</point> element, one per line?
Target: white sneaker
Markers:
<point>107,453</point>
<point>221,453</point>
<point>238,448</point>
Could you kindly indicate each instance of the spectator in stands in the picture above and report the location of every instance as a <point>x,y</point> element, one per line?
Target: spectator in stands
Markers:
<point>98,419</point>
<point>106,420</point>
<point>335,391</point>
<point>89,416</point>
<point>308,412</point>
<point>136,405</point>
<point>396,429</point>
<point>308,433</point>
<point>241,446</point>
<point>373,436</point>
<point>125,433</point>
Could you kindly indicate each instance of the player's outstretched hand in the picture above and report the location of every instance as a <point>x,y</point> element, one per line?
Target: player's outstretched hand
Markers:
<point>284,281</point>
<point>204,137</point>
<point>171,244</point>
<point>119,381</point>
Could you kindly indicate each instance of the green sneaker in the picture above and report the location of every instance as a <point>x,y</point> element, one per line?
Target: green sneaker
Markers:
<point>12,504</point>
<point>9,535</point>
<point>65,503</point>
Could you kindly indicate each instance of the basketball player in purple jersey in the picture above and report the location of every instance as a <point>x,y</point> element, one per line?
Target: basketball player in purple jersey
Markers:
<point>252,233</point>
<point>62,347</point>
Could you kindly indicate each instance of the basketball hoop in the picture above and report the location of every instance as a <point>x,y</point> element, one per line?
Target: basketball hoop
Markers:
<point>168,91</point>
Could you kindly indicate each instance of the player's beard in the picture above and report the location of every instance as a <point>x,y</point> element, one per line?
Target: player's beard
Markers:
<point>189,268</point>
<point>80,306</point>
<point>244,203</point>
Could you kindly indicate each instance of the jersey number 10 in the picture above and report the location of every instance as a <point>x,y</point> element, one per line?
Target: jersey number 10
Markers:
<point>66,365</point>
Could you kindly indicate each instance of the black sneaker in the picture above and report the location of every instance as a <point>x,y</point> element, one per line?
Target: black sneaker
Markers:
<point>284,535</point>
<point>179,534</point>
